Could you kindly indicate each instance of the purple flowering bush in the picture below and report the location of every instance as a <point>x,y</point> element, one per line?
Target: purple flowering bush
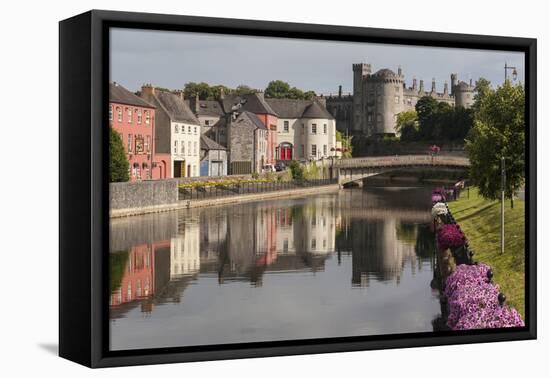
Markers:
<point>450,236</point>
<point>438,192</point>
<point>473,301</point>
<point>437,198</point>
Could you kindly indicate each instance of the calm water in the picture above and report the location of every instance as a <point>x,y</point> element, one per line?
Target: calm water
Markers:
<point>356,262</point>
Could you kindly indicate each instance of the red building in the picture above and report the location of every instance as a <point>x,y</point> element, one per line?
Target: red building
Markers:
<point>134,119</point>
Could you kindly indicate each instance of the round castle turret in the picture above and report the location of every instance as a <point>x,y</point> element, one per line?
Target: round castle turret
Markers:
<point>384,101</point>
<point>464,94</point>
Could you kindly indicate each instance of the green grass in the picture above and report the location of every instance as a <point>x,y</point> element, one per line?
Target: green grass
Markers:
<point>479,218</point>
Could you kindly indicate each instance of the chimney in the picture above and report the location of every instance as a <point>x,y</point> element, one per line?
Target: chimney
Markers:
<point>222,94</point>
<point>421,85</point>
<point>339,91</point>
<point>446,88</point>
<point>433,85</point>
<point>414,83</point>
<point>399,71</point>
<point>470,82</point>
<point>147,89</point>
<point>196,104</point>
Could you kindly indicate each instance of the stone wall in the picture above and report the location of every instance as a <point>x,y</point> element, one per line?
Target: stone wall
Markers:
<point>128,196</point>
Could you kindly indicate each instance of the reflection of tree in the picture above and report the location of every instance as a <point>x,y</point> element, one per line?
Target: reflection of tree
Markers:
<point>406,232</point>
<point>117,262</point>
<point>425,242</point>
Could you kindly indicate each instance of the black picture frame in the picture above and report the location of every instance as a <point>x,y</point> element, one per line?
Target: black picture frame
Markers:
<point>83,182</point>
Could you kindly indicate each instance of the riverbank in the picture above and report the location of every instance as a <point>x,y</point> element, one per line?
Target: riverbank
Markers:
<point>479,218</point>
<point>236,199</point>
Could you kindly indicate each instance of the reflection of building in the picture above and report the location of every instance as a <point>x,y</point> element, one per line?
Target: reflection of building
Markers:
<point>185,251</point>
<point>138,278</point>
<point>315,229</point>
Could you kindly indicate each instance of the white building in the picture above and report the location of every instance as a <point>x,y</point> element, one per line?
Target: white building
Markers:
<point>178,130</point>
<point>305,130</point>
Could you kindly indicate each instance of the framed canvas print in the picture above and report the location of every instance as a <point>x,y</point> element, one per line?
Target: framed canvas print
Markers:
<point>235,188</point>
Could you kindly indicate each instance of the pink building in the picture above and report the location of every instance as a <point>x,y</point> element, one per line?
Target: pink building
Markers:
<point>134,119</point>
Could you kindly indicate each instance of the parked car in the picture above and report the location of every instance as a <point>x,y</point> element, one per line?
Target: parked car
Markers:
<point>269,168</point>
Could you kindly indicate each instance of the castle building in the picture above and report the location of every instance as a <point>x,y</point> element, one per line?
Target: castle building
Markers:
<point>379,97</point>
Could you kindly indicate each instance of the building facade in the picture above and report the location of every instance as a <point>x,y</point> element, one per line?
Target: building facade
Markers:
<point>379,97</point>
<point>134,119</point>
<point>213,158</point>
<point>177,131</point>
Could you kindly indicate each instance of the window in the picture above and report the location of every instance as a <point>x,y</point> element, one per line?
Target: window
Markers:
<point>313,243</point>
<point>147,117</point>
<point>302,150</point>
<point>129,143</point>
<point>119,114</point>
<point>195,148</point>
<point>110,112</point>
<point>183,148</point>
<point>397,99</point>
<point>285,126</point>
<point>148,143</point>
<point>379,99</point>
<point>139,117</point>
<point>175,146</point>
<point>314,128</point>
<point>176,129</point>
<point>325,149</point>
<point>314,150</point>
<point>189,129</point>
<point>189,146</point>
<point>379,117</point>
<point>325,128</point>
<point>409,101</point>
<point>195,130</point>
<point>303,128</point>
<point>369,117</point>
<point>206,122</point>
<point>129,111</point>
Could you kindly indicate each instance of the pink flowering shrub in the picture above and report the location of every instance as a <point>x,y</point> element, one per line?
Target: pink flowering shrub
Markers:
<point>437,198</point>
<point>473,301</point>
<point>450,236</point>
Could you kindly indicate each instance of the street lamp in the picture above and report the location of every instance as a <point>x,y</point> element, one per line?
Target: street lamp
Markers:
<point>514,72</point>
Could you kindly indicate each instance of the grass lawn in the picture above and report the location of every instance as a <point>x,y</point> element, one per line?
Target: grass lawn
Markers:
<point>480,220</point>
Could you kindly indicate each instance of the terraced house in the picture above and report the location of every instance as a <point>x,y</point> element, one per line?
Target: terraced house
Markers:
<point>177,131</point>
<point>134,119</point>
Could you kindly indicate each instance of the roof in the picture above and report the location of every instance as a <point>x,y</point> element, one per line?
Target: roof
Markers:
<point>465,86</point>
<point>288,108</point>
<point>210,107</point>
<point>176,107</point>
<point>119,94</point>
<point>249,119</point>
<point>385,72</point>
<point>253,102</point>
<point>209,144</point>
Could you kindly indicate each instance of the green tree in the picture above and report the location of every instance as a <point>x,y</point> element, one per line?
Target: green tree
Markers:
<point>204,91</point>
<point>499,131</point>
<point>216,90</point>
<point>277,89</point>
<point>243,90</point>
<point>426,108</point>
<point>118,163</point>
<point>296,170</point>
<point>482,89</point>
<point>347,146</point>
<point>407,125</point>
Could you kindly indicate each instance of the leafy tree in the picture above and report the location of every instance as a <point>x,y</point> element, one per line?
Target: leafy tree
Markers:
<point>499,131</point>
<point>407,125</point>
<point>425,108</point>
<point>216,91</point>
<point>482,89</point>
<point>308,95</point>
<point>243,90</point>
<point>204,91</point>
<point>277,89</point>
<point>118,163</point>
<point>296,170</point>
<point>347,146</point>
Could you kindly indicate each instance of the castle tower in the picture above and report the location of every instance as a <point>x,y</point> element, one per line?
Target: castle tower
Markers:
<point>433,86</point>
<point>388,102</point>
<point>454,79</point>
<point>360,71</point>
<point>464,94</point>
<point>421,90</point>
<point>446,89</point>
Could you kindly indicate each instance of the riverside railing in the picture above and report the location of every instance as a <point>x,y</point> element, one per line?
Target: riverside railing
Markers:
<point>403,160</point>
<point>236,189</point>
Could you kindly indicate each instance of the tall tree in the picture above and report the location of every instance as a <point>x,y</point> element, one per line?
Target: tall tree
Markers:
<point>118,163</point>
<point>244,89</point>
<point>191,89</point>
<point>499,131</point>
<point>407,125</point>
<point>277,89</point>
<point>426,108</point>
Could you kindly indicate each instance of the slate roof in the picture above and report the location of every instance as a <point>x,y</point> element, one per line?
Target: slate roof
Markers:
<point>176,107</point>
<point>249,119</point>
<point>386,72</point>
<point>209,144</point>
<point>254,103</point>
<point>210,108</point>
<point>288,108</point>
<point>119,94</point>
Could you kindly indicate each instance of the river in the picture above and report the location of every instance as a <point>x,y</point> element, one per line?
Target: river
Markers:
<point>348,263</point>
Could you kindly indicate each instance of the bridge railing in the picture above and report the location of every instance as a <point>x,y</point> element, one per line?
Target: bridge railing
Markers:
<point>402,160</point>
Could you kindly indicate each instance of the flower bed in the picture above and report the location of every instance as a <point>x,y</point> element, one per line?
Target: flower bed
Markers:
<point>473,301</point>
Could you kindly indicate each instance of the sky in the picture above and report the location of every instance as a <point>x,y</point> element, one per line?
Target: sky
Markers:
<point>170,59</point>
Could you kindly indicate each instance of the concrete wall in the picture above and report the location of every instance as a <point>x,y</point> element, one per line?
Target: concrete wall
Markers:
<point>129,197</point>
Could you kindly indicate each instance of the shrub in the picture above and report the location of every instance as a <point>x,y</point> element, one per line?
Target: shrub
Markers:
<point>450,236</point>
<point>296,170</point>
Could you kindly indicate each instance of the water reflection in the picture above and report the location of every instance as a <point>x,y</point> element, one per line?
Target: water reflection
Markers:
<point>371,235</point>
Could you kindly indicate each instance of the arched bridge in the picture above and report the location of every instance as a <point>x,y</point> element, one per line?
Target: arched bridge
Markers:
<point>355,169</point>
